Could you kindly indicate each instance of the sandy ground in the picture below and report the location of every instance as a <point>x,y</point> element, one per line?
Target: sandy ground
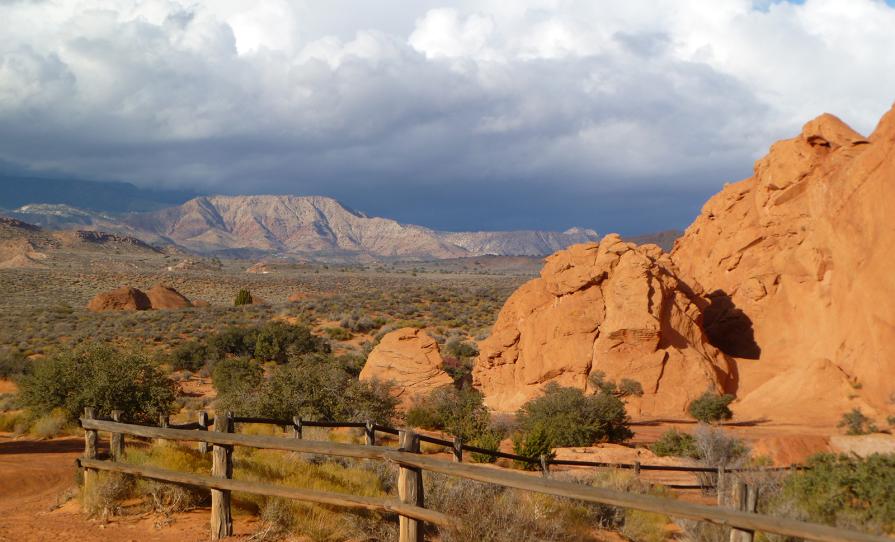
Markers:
<point>37,482</point>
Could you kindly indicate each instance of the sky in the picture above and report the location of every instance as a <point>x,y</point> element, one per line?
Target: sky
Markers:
<point>530,114</point>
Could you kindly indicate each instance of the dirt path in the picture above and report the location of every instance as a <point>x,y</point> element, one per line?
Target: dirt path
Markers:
<point>36,476</point>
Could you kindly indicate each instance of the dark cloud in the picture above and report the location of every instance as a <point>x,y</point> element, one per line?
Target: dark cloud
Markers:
<point>471,122</point>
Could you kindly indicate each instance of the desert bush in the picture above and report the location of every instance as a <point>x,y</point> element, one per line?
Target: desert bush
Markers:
<point>236,376</point>
<point>49,425</point>
<point>856,423</point>
<point>534,442</point>
<point>233,341</point>
<point>845,491</point>
<point>625,388</point>
<point>571,418</point>
<point>189,355</point>
<point>101,377</point>
<point>460,349</point>
<point>458,412</point>
<point>13,364</point>
<point>675,443</point>
<point>277,340</point>
<point>711,407</point>
<point>337,333</point>
<point>489,440</point>
<point>14,422</point>
<point>313,386</point>
<point>716,448</point>
<point>243,297</point>
<point>167,498</point>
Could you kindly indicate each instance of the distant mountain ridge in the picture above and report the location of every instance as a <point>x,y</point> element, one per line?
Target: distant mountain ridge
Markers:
<point>117,197</point>
<point>315,227</point>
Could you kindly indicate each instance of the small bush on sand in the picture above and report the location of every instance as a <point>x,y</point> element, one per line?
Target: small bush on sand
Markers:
<point>189,355</point>
<point>488,440</point>
<point>711,407</point>
<point>534,443</point>
<point>571,418</point>
<point>675,443</point>
<point>49,425</point>
<point>101,377</point>
<point>13,364</point>
<point>856,423</point>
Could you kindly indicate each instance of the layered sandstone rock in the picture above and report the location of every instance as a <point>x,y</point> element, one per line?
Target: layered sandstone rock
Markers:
<point>121,299</point>
<point>610,306</point>
<point>165,297</point>
<point>797,261</point>
<point>410,358</point>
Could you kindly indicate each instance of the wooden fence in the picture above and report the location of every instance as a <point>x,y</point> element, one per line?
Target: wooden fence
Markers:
<point>412,514</point>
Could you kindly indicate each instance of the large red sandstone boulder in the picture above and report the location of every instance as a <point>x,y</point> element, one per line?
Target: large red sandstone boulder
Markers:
<point>613,307</point>
<point>410,358</point>
<point>165,297</point>
<point>797,261</point>
<point>121,299</point>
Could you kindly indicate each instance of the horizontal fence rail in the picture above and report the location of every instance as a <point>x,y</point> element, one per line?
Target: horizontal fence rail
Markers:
<point>409,462</point>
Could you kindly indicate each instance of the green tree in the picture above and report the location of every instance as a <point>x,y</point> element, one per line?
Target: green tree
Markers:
<point>676,443</point>
<point>534,443</point>
<point>459,412</point>
<point>711,407</point>
<point>243,297</point>
<point>102,377</point>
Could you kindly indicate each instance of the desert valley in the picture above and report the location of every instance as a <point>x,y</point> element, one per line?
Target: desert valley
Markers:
<point>773,307</point>
<point>447,271</point>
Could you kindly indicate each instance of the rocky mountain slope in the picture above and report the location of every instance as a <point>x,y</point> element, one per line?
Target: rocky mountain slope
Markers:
<point>310,226</point>
<point>797,261</point>
<point>610,306</point>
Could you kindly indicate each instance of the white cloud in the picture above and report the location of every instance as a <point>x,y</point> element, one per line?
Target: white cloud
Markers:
<point>283,95</point>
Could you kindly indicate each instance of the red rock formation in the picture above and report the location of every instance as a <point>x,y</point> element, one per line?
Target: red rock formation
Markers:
<point>122,299</point>
<point>797,261</point>
<point>410,358</point>
<point>613,307</point>
<point>165,297</point>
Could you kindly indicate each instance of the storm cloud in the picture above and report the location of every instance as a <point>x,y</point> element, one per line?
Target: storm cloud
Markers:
<point>457,115</point>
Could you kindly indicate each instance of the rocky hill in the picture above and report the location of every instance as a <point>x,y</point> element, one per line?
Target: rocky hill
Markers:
<point>613,307</point>
<point>309,226</point>
<point>797,261</point>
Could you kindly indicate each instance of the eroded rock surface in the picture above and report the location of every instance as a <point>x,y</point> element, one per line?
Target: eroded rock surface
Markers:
<point>797,261</point>
<point>165,297</point>
<point>120,299</point>
<point>410,358</point>
<point>610,306</point>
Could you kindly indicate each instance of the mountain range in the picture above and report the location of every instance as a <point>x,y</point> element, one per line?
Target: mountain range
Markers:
<point>311,227</point>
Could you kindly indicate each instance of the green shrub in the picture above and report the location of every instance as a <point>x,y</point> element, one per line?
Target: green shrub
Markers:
<point>488,440</point>
<point>458,412</point>
<point>625,388</point>
<point>338,333</point>
<point>243,297</point>
<point>846,491</point>
<point>233,341</point>
<point>189,355</point>
<point>236,376</point>
<point>572,418</point>
<point>675,443</point>
<point>13,363</point>
<point>276,340</point>
<point>313,386</point>
<point>535,442</point>
<point>711,407</point>
<point>101,377</point>
<point>456,348</point>
<point>856,423</point>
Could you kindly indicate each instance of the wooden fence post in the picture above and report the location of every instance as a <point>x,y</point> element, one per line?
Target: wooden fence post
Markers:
<point>203,426</point>
<point>745,499</point>
<point>458,449</point>
<point>637,468</point>
<point>162,422</point>
<point>720,485</point>
<point>410,489</point>
<point>369,434</point>
<point>90,441</point>
<point>296,426</point>
<point>222,467</point>
<point>545,466</point>
<point>116,441</point>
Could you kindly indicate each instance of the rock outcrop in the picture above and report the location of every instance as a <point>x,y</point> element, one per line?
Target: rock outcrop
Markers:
<point>132,299</point>
<point>121,299</point>
<point>797,263</point>
<point>165,297</point>
<point>410,358</point>
<point>610,306</point>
